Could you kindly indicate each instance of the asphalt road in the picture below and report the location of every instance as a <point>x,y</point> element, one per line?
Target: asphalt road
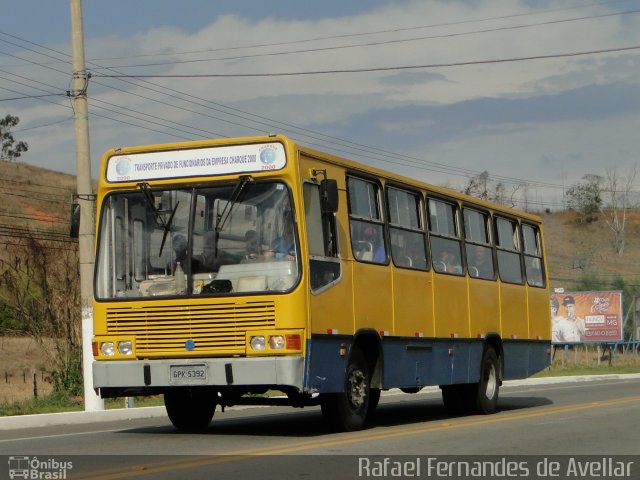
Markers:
<point>597,419</point>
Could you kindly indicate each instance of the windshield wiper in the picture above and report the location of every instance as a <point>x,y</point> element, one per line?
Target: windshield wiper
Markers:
<point>144,186</point>
<point>242,182</point>
<point>238,190</point>
<point>167,227</point>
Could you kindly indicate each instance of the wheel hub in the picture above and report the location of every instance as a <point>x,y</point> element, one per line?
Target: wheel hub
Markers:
<point>357,391</point>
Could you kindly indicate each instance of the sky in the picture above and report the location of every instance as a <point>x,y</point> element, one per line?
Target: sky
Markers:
<point>442,91</point>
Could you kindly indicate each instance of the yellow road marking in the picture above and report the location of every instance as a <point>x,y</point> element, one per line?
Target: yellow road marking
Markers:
<point>344,439</point>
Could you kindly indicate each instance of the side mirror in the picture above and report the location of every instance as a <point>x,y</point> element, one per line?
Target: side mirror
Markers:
<point>75,221</point>
<point>329,190</point>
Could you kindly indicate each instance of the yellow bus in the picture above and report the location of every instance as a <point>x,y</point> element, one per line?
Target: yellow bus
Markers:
<point>227,270</point>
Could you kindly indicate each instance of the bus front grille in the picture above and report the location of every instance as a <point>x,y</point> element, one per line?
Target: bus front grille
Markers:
<point>175,329</point>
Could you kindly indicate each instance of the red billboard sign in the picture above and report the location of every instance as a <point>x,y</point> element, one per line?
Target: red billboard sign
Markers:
<point>578,317</point>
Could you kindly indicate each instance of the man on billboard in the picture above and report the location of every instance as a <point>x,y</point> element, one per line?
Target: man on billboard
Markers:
<point>574,327</point>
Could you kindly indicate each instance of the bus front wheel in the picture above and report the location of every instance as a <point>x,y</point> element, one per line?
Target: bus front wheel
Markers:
<point>348,410</point>
<point>190,409</point>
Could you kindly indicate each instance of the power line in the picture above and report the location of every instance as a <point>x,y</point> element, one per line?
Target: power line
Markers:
<point>57,247</point>
<point>359,34</point>
<point>43,126</point>
<point>379,43</point>
<point>69,189</point>
<point>381,69</point>
<point>40,218</point>
<point>31,96</point>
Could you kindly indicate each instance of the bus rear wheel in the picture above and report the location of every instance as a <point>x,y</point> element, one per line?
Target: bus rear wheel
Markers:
<point>487,390</point>
<point>481,397</point>
<point>190,409</point>
<point>347,411</point>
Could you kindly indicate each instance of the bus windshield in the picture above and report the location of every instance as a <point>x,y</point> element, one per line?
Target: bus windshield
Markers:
<point>214,240</point>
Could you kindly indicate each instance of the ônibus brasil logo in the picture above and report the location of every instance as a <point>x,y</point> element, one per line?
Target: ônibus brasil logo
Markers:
<point>35,468</point>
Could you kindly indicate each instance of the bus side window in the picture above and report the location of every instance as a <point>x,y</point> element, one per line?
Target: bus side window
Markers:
<point>446,247</point>
<point>478,244</point>
<point>508,245</point>
<point>365,221</point>
<point>324,263</point>
<point>533,259</point>
<point>408,248</point>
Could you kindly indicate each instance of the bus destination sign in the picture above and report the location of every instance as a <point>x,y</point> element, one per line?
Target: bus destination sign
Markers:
<point>195,162</point>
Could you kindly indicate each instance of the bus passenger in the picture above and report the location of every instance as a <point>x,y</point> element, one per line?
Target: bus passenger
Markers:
<point>373,235</point>
<point>481,262</point>
<point>447,262</point>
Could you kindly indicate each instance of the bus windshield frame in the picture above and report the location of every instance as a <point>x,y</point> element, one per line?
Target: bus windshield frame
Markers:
<point>218,239</point>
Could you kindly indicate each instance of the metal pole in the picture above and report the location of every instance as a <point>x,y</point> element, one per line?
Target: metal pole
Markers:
<point>80,82</point>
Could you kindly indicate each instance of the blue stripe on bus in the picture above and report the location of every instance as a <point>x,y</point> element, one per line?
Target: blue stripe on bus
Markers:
<point>420,362</point>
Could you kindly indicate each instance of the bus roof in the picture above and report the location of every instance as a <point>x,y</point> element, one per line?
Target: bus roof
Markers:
<point>334,159</point>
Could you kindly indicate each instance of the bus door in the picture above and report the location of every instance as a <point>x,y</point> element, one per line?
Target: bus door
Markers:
<point>330,285</point>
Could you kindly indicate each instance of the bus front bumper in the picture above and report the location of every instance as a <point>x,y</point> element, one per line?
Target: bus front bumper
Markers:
<point>217,372</point>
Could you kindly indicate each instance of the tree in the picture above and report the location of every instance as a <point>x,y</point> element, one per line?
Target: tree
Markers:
<point>11,150</point>
<point>40,290</point>
<point>481,186</point>
<point>585,198</point>
<point>617,190</point>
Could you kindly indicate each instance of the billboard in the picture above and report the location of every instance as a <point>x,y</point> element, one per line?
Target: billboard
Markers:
<point>580,317</point>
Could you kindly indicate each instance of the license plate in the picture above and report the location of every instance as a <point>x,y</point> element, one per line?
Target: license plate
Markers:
<point>187,374</point>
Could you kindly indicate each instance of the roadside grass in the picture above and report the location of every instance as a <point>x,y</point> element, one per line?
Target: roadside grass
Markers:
<point>567,371</point>
<point>56,403</point>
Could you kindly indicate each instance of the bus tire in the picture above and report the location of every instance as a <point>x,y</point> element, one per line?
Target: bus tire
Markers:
<point>347,411</point>
<point>374,399</point>
<point>190,409</point>
<point>456,398</point>
<point>488,389</point>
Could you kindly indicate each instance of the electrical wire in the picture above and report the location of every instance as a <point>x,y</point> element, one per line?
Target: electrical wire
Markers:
<point>379,69</point>
<point>379,43</point>
<point>376,32</point>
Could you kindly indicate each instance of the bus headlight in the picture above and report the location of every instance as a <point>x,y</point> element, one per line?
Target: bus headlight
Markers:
<point>276,342</point>
<point>107,349</point>
<point>258,343</point>
<point>125,347</point>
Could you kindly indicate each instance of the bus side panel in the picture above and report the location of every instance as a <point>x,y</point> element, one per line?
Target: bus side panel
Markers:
<point>451,313</point>
<point>332,309</point>
<point>413,303</point>
<point>513,299</point>
<point>539,314</point>
<point>372,297</point>
<point>419,362</point>
<point>524,358</point>
<point>484,307</point>
<point>539,357</point>
<point>467,356</point>
<point>325,366</point>
<point>416,362</point>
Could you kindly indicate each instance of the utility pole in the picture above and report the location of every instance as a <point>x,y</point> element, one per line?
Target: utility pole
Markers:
<point>85,198</point>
